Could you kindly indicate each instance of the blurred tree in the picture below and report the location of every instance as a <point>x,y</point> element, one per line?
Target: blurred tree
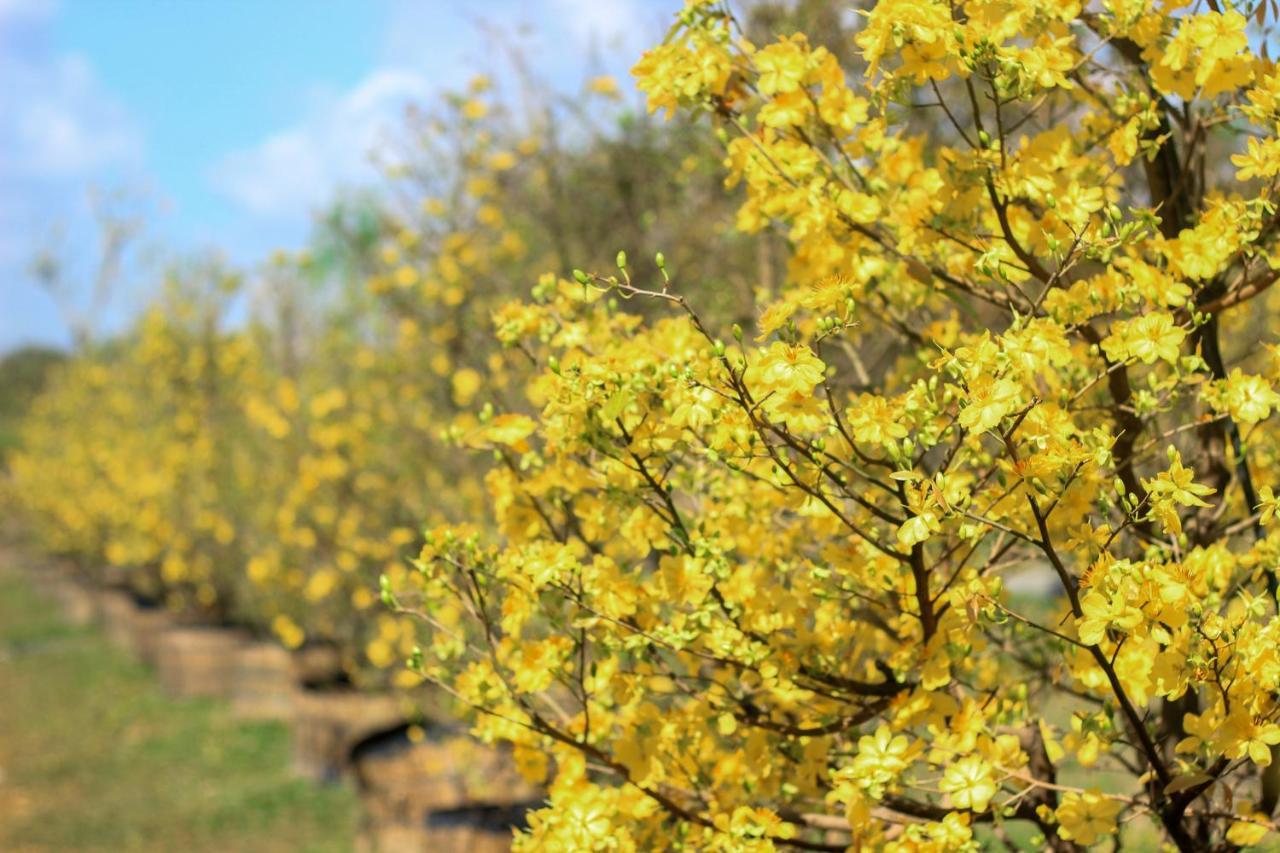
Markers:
<point>118,217</point>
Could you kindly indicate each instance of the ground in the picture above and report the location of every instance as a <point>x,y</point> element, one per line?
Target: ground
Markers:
<point>94,757</point>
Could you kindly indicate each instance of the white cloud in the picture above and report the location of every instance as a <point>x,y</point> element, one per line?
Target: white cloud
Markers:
<point>61,130</point>
<point>428,48</point>
<point>60,123</point>
<point>294,170</point>
<point>57,121</point>
<point>597,22</point>
<point>13,11</point>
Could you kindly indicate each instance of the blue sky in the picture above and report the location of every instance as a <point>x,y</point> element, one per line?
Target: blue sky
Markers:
<point>227,122</point>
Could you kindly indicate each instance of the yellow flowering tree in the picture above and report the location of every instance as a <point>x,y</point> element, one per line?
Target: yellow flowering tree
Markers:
<point>134,456</point>
<point>356,427</point>
<point>266,463</point>
<point>767,587</point>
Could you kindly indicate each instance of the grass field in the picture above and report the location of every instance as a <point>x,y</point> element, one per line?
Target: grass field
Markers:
<point>94,757</point>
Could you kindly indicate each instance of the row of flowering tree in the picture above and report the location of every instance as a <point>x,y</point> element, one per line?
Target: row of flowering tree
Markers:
<point>268,471</point>
<point>744,557</point>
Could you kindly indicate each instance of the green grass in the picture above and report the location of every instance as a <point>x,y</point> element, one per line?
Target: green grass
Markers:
<point>94,757</point>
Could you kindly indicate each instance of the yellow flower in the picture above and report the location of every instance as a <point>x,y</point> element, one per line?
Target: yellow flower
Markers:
<point>1249,831</point>
<point>1087,817</point>
<point>537,662</point>
<point>676,72</point>
<point>501,161</point>
<point>1249,398</point>
<point>924,26</point>
<point>511,430</point>
<point>1173,488</point>
<point>989,401</point>
<point>1147,339</point>
<point>781,66</point>
<point>604,85</point>
<point>917,529</point>
<point>874,421</point>
<point>1246,736</point>
<point>784,369</point>
<point>1268,504</point>
<point>466,384</point>
<point>970,783</point>
<point>1260,159</point>
<point>1101,612</point>
<point>881,759</point>
<point>288,631</point>
<point>1178,483</point>
<point>775,317</point>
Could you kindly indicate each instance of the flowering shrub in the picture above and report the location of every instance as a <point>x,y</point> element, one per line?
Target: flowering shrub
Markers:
<point>134,456</point>
<point>759,588</point>
<point>267,471</point>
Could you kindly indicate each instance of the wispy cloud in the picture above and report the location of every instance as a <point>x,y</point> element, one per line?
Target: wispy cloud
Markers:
<point>60,131</point>
<point>56,118</point>
<point>598,23</point>
<point>427,48</point>
<point>15,11</point>
<point>296,169</point>
<point>60,123</point>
